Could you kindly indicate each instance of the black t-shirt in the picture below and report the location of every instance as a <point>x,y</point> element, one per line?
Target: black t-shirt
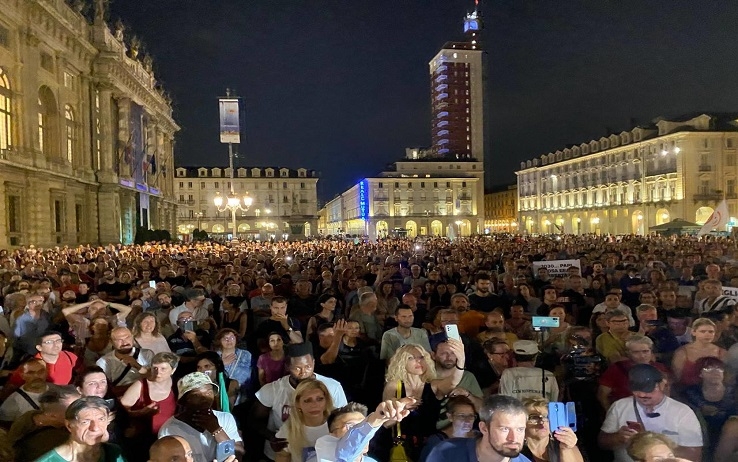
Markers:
<point>486,304</point>
<point>114,289</point>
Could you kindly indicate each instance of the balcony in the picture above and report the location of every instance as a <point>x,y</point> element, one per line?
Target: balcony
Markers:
<point>708,196</point>
<point>705,168</point>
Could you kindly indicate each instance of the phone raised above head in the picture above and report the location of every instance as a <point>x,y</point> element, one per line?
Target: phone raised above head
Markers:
<point>452,331</point>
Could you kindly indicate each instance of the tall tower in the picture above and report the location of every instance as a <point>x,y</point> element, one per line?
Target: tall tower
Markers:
<point>457,95</point>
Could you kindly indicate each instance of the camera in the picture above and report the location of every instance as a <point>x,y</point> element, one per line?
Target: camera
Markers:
<point>580,362</point>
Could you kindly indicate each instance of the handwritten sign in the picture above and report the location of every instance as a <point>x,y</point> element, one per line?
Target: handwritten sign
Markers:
<point>556,267</point>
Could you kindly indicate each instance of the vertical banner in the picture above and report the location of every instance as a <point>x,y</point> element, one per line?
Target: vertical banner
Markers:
<point>137,151</point>
<point>230,131</point>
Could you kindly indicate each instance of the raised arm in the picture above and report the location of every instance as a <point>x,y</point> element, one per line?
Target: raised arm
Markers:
<point>444,386</point>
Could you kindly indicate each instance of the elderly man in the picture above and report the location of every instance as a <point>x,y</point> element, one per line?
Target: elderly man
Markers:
<point>87,421</point>
<point>614,381</point>
<point>371,329</point>
<point>650,410</point>
<point>126,363</point>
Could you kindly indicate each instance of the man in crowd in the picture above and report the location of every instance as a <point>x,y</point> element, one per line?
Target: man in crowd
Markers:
<point>650,410</point>
<point>525,380</point>
<point>126,363</point>
<point>403,334</point>
<point>272,405</point>
<point>484,299</point>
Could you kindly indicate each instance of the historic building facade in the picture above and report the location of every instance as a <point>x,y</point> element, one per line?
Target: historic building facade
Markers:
<point>285,202</point>
<point>422,195</point>
<point>501,210</point>
<point>86,134</point>
<point>628,182</point>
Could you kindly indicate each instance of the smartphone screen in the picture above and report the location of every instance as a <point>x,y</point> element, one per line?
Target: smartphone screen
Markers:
<point>152,284</point>
<point>188,325</point>
<point>224,450</point>
<point>452,331</point>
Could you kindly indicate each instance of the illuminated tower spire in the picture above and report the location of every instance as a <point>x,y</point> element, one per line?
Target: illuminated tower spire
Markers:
<point>473,27</point>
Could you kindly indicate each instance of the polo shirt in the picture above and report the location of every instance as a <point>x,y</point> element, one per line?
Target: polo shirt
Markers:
<point>676,420</point>
<point>610,346</point>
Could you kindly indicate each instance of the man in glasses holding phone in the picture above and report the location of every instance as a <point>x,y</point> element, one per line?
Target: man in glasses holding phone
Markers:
<point>649,409</point>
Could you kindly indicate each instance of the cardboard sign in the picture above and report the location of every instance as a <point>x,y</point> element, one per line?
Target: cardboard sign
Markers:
<point>731,292</point>
<point>556,267</point>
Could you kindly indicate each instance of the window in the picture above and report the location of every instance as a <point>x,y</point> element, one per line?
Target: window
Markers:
<point>5,111</point>
<point>71,131</point>
<point>47,61</point>
<point>397,185</point>
<point>78,217</point>
<point>68,80</point>
<point>284,199</point>
<point>47,123</point>
<point>269,185</point>
<point>302,185</point>
<point>217,184</point>
<point>189,184</point>
<point>729,143</point>
<point>448,184</point>
<point>14,219</point>
<point>380,185</point>
<point>190,198</point>
<point>202,185</point>
<point>181,184</point>
<point>463,184</point>
<point>422,184</point>
<point>284,185</point>
<point>4,37</point>
<point>58,216</point>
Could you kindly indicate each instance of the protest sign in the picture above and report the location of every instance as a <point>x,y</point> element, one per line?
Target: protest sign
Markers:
<point>556,267</point>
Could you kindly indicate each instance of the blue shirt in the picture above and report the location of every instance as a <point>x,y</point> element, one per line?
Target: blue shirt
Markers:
<point>461,450</point>
<point>27,329</point>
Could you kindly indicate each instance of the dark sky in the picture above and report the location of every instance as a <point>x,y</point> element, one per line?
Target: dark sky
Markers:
<point>342,86</point>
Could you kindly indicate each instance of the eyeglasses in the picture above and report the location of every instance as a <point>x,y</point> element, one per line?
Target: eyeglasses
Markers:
<point>230,338</point>
<point>537,419</point>
<point>465,417</point>
<point>52,342</point>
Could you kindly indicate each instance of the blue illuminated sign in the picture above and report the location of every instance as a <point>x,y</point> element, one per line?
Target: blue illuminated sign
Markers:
<point>363,200</point>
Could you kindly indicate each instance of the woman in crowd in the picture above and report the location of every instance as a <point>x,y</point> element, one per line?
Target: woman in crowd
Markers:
<point>326,308</point>
<point>461,414</point>
<point>98,344</point>
<point>238,362</point>
<point>440,296</point>
<point>273,365</point>
<point>211,364</point>
<point>146,333</point>
<point>554,341</point>
<point>307,422</point>
<point>713,400</point>
<point>598,324</point>
<point>540,444</point>
<point>232,317</point>
<point>652,447</point>
<point>151,401</point>
<point>527,298</point>
<point>387,301</point>
<point>412,373</point>
<point>684,363</point>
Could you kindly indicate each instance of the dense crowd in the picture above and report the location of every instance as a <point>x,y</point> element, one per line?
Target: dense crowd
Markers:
<point>338,350</point>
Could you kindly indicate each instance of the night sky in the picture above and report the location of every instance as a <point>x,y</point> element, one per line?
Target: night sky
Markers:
<point>342,86</point>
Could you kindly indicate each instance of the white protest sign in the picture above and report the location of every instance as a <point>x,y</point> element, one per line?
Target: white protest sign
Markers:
<point>556,267</point>
<point>731,292</point>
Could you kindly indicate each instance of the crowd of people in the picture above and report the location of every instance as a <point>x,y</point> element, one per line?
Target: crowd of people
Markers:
<point>345,350</point>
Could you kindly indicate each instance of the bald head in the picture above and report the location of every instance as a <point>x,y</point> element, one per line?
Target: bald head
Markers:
<point>170,449</point>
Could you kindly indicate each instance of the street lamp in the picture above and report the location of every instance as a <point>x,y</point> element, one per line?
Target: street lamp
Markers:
<point>231,202</point>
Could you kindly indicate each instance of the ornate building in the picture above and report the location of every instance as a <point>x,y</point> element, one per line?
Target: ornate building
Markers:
<point>86,134</point>
<point>422,195</point>
<point>501,210</point>
<point>285,201</point>
<point>628,182</point>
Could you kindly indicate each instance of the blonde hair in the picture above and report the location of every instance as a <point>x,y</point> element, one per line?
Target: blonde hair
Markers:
<point>536,404</point>
<point>396,371</point>
<point>642,442</point>
<point>699,322</point>
<point>295,422</point>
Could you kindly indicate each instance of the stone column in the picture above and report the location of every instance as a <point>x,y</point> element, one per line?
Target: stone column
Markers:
<point>123,132</point>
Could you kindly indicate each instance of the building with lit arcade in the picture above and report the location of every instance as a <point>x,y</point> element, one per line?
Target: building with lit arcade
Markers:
<point>627,182</point>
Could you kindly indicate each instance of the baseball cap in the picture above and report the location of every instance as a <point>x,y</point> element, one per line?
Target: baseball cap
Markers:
<point>644,377</point>
<point>193,381</point>
<point>525,347</point>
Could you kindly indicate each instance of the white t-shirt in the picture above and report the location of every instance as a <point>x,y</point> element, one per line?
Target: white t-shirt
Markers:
<point>203,444</point>
<point>311,436</point>
<point>676,420</point>
<point>278,396</point>
<point>16,405</point>
<point>525,382</point>
<point>198,314</point>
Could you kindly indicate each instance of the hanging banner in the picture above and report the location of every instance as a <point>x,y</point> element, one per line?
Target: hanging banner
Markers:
<point>230,130</point>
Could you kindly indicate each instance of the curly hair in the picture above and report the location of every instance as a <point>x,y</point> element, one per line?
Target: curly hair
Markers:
<point>397,370</point>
